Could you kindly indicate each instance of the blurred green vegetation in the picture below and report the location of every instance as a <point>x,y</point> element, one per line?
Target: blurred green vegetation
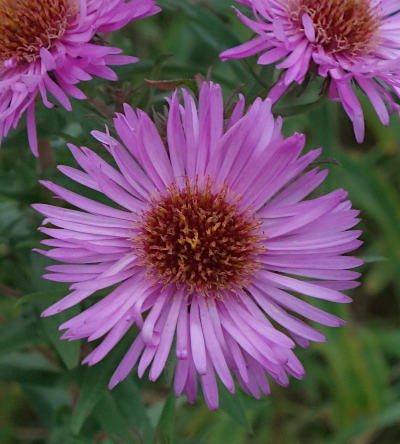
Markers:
<point>352,390</point>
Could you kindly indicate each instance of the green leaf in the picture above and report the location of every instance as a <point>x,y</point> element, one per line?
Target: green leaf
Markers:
<point>379,200</point>
<point>210,27</point>
<point>131,406</point>
<point>365,426</point>
<point>27,368</point>
<point>16,334</point>
<point>68,350</point>
<point>40,296</point>
<point>293,110</point>
<point>61,435</point>
<point>46,401</point>
<point>12,222</point>
<point>165,427</point>
<point>94,386</point>
<point>374,193</point>
<point>389,340</point>
<point>232,404</point>
<point>107,414</point>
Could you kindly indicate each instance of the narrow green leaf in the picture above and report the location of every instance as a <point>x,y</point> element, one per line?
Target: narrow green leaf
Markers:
<point>389,340</point>
<point>27,368</point>
<point>165,427</point>
<point>61,435</point>
<point>211,27</point>
<point>131,406</point>
<point>94,386</point>
<point>107,414</point>
<point>68,350</point>
<point>234,407</point>
<point>50,295</point>
<point>363,426</point>
<point>46,401</point>
<point>16,334</point>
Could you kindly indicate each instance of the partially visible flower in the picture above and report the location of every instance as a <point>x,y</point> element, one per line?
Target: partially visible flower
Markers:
<point>50,46</point>
<point>205,239</point>
<point>348,42</point>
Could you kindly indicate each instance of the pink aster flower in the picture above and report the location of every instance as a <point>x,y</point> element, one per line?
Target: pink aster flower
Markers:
<point>348,42</point>
<point>206,236</point>
<point>50,46</point>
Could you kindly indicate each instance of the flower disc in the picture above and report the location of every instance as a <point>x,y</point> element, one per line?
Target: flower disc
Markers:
<point>200,238</point>
<point>26,26</point>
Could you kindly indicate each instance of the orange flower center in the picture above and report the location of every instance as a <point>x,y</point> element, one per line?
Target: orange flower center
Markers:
<point>26,26</point>
<point>199,238</point>
<point>341,26</point>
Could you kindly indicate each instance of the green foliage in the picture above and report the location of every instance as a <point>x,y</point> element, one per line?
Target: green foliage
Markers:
<point>352,390</point>
<point>92,389</point>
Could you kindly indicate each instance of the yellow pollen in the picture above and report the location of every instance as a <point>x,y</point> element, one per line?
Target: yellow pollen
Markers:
<point>347,27</point>
<point>200,238</point>
<point>26,26</point>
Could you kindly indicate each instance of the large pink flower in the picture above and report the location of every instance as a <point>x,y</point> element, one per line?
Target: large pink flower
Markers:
<point>349,42</point>
<point>206,236</point>
<point>50,46</point>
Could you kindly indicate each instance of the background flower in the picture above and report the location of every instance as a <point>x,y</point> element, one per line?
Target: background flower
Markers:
<point>351,42</point>
<point>52,46</point>
<point>211,237</point>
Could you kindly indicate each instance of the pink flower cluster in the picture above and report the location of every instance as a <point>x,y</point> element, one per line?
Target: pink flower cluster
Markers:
<point>351,43</point>
<point>210,244</point>
<point>66,53</point>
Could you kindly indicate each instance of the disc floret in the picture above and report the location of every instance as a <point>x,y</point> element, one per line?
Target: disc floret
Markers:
<point>26,26</point>
<point>341,26</point>
<point>199,237</point>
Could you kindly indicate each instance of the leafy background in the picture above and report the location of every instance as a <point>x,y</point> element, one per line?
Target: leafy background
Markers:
<point>352,390</point>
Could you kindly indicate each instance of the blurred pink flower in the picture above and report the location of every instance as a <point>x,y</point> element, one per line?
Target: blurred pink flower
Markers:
<point>50,46</point>
<point>349,42</point>
<point>206,236</point>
